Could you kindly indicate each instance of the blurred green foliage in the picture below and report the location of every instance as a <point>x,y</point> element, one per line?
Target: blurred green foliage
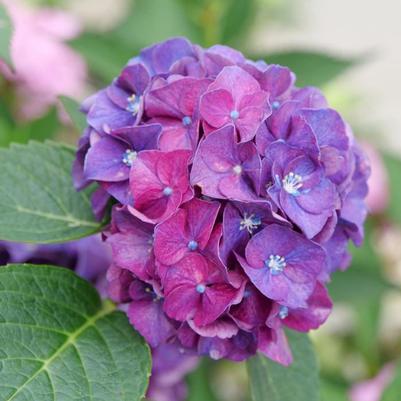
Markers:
<point>199,382</point>
<point>206,22</point>
<point>312,68</point>
<point>393,392</point>
<point>40,129</point>
<point>330,391</point>
<point>393,166</point>
<point>72,108</point>
<point>280,383</point>
<point>5,36</point>
<point>203,21</point>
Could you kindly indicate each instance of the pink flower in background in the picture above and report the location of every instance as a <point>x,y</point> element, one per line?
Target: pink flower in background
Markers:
<point>37,47</point>
<point>379,192</point>
<point>372,390</point>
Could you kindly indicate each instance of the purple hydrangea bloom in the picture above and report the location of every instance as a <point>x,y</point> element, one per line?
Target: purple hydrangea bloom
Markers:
<point>170,364</point>
<point>88,257</point>
<point>237,348</point>
<point>236,193</point>
<point>354,211</point>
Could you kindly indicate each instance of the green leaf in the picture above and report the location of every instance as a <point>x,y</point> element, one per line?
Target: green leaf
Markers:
<point>38,202</point>
<point>72,108</point>
<point>393,165</point>
<point>199,388</point>
<point>366,330</point>
<point>43,128</point>
<point>5,35</point>
<point>393,391</point>
<point>364,273</point>
<point>311,68</point>
<point>94,47</point>
<point>236,19</point>
<point>160,19</point>
<point>5,132</point>
<point>58,342</point>
<point>40,129</point>
<point>5,111</point>
<point>273,382</point>
<point>342,287</point>
<point>332,391</point>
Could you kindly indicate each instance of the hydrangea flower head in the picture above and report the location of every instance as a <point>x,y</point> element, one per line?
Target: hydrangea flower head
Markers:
<point>235,196</point>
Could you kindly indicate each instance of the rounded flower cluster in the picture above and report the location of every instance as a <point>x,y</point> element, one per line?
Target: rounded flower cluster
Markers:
<point>235,195</point>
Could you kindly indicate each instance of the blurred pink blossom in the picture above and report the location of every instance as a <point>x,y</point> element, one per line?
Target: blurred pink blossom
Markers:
<point>372,390</point>
<point>378,196</point>
<point>44,66</point>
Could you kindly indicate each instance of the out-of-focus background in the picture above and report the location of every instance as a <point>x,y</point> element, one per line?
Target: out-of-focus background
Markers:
<point>349,48</point>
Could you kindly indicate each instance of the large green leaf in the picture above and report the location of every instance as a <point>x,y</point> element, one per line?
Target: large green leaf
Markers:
<point>58,342</point>
<point>38,202</point>
<point>72,108</point>
<point>273,382</point>
<point>5,35</point>
<point>311,68</point>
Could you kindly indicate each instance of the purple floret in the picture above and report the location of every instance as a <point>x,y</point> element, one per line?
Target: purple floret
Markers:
<point>236,195</point>
<point>283,265</point>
